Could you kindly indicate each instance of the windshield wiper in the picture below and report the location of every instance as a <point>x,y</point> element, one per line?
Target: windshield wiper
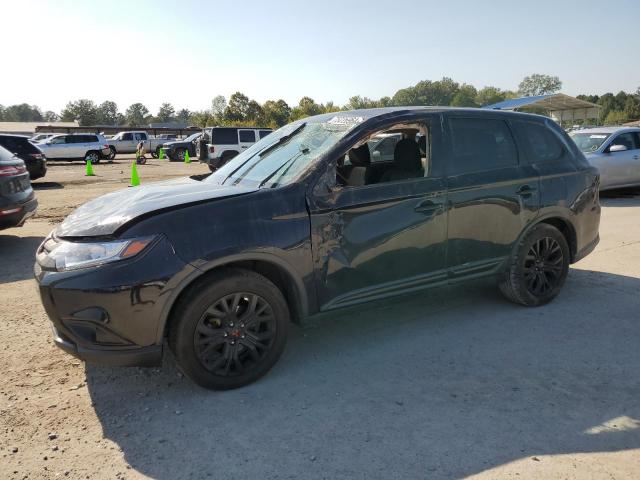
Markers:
<point>288,164</point>
<point>280,141</point>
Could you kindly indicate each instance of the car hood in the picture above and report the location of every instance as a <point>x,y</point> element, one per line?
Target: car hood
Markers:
<point>175,143</point>
<point>106,214</point>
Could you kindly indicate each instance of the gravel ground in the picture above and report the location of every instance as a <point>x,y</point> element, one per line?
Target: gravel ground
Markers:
<point>453,383</point>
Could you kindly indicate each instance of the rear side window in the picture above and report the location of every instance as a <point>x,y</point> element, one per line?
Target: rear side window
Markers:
<point>481,144</point>
<point>264,133</point>
<point>224,136</point>
<point>247,136</point>
<point>540,143</point>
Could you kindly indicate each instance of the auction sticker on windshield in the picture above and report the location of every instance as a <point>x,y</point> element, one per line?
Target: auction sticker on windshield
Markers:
<point>345,121</point>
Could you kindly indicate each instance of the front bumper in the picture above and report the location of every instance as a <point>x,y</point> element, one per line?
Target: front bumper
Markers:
<point>17,214</point>
<point>150,356</point>
<point>113,314</point>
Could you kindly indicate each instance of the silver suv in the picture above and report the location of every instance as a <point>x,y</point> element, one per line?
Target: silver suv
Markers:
<point>615,151</point>
<point>81,146</point>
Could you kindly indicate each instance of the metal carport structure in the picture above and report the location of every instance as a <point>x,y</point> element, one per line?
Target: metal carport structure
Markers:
<point>562,108</point>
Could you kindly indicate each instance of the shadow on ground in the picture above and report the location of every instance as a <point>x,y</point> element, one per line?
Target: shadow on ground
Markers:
<point>623,197</point>
<point>17,256</point>
<point>46,185</point>
<point>441,385</point>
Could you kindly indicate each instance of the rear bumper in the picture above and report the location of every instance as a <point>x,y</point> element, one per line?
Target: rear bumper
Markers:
<point>586,250</point>
<point>17,214</point>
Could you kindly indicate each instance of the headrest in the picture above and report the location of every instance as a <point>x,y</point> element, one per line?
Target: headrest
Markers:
<point>361,156</point>
<point>406,155</point>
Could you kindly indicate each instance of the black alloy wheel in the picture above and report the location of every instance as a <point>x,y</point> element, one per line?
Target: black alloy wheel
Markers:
<point>235,334</point>
<point>543,266</point>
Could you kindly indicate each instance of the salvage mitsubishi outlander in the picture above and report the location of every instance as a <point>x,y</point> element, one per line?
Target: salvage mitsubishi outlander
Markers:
<point>330,211</point>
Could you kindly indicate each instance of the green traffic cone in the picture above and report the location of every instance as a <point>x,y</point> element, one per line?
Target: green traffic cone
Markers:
<point>89,170</point>
<point>135,180</point>
<point>161,156</point>
<point>186,157</point>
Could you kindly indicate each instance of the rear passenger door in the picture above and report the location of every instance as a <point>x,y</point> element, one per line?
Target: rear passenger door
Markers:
<point>246,138</point>
<point>491,196</point>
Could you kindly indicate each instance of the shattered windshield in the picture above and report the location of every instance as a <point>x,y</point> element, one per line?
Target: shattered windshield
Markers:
<point>282,156</point>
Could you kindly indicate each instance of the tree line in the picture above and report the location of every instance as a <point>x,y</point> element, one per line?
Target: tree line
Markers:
<point>241,110</point>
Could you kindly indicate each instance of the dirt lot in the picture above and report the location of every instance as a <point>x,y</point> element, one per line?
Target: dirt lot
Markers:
<point>454,383</point>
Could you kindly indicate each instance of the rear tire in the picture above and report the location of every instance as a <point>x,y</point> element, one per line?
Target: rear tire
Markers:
<point>92,156</point>
<point>230,332</point>
<point>538,267</point>
<point>112,153</point>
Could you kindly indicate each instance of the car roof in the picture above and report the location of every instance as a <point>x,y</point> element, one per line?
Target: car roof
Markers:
<point>607,130</point>
<point>369,113</point>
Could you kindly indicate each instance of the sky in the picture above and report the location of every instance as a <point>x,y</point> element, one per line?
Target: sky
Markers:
<point>187,52</point>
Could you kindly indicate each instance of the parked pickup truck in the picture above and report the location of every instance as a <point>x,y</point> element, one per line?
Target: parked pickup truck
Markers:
<point>126,142</point>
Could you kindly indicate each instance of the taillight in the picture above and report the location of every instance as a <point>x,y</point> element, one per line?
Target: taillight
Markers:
<point>212,149</point>
<point>11,170</point>
<point>37,156</point>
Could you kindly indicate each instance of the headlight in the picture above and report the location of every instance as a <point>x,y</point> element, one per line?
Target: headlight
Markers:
<point>73,255</point>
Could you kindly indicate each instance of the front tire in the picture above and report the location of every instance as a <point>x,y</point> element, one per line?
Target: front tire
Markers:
<point>180,154</point>
<point>230,332</point>
<point>538,268</point>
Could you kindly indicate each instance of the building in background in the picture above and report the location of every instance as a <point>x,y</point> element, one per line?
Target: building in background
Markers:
<point>29,128</point>
<point>562,108</point>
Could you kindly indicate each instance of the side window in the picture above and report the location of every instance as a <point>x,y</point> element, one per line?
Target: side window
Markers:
<point>140,136</point>
<point>59,140</point>
<point>264,133</point>
<point>91,139</point>
<point>384,147</point>
<point>127,136</point>
<point>480,144</point>
<point>247,136</point>
<point>540,143</point>
<point>629,140</point>
<point>224,136</point>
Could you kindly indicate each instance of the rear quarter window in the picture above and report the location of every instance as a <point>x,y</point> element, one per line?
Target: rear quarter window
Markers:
<point>247,136</point>
<point>479,144</point>
<point>539,142</point>
<point>264,133</point>
<point>224,136</point>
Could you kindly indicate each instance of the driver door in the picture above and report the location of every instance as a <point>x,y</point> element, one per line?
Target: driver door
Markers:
<point>623,167</point>
<point>379,240</point>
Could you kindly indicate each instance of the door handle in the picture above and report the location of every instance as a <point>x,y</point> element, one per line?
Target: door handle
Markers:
<point>243,147</point>
<point>525,191</point>
<point>427,206</point>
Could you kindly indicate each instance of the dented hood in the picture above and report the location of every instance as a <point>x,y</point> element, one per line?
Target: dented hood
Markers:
<point>105,214</point>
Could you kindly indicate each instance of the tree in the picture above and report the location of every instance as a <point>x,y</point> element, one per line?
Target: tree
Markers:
<point>357,102</point>
<point>615,117</point>
<point>22,113</point>
<point>307,107</point>
<point>238,107</point>
<point>276,113</point>
<point>538,84</point>
<point>426,92</point>
<point>254,113</point>
<point>107,113</point>
<point>50,116</point>
<point>202,118</point>
<point>489,95</point>
<point>465,97</point>
<point>218,106</point>
<point>183,115</point>
<point>166,113</point>
<point>83,110</point>
<point>136,114</point>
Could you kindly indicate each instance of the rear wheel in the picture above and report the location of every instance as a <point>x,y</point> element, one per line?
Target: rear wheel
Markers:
<point>231,332</point>
<point>112,153</point>
<point>93,157</point>
<point>538,268</point>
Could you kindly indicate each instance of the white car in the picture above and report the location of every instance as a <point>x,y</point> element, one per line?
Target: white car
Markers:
<point>614,151</point>
<point>80,146</point>
<point>224,143</point>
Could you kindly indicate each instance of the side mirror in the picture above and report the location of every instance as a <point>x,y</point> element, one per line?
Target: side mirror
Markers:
<point>376,156</point>
<point>617,148</point>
